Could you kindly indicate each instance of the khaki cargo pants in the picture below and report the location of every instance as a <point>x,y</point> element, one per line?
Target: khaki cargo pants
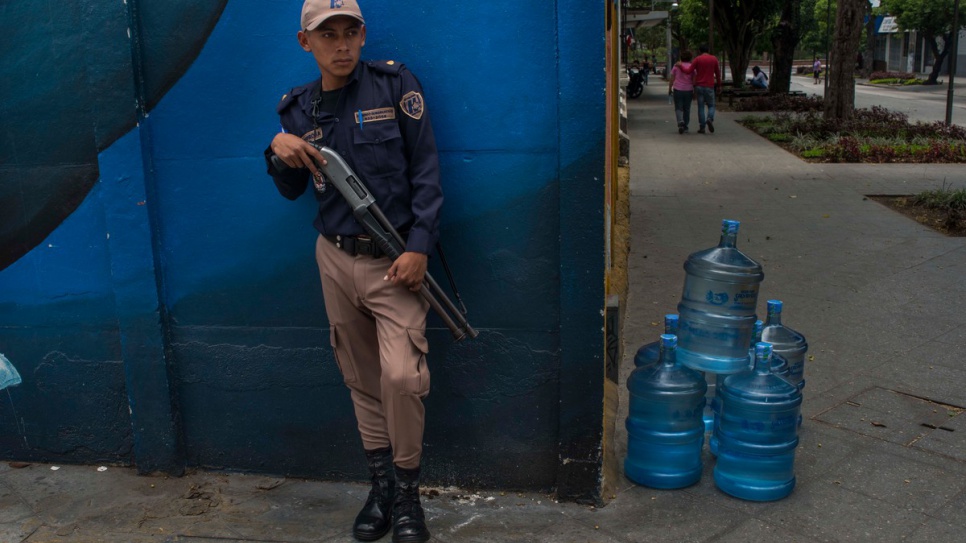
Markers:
<point>378,334</point>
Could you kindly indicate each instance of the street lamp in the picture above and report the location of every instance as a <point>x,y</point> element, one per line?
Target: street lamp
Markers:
<point>667,68</point>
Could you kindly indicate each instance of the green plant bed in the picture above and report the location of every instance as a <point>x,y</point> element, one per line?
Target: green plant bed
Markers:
<point>876,136</point>
<point>896,81</point>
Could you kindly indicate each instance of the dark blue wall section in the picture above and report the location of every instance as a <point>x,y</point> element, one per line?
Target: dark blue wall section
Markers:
<point>161,300</point>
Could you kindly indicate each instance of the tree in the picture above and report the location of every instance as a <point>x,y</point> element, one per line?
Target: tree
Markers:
<point>784,41</point>
<point>931,18</point>
<point>815,27</point>
<point>691,24</point>
<point>840,100</point>
<point>739,23</point>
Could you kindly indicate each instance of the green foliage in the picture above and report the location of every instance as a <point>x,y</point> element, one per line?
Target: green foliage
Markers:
<point>891,75</point>
<point>804,143</point>
<point>779,102</point>
<point>691,23</point>
<point>930,17</point>
<point>944,198</point>
<point>818,16</point>
<point>952,203</point>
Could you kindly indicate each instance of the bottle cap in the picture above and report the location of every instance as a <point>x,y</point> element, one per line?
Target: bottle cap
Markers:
<point>729,226</point>
<point>762,349</point>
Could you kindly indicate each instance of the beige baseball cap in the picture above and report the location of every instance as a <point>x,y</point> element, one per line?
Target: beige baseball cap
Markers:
<point>315,12</point>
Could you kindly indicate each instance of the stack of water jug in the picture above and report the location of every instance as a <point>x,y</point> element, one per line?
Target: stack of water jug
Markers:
<point>717,369</point>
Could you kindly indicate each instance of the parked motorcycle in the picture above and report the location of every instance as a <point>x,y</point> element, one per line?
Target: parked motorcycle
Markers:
<point>636,85</point>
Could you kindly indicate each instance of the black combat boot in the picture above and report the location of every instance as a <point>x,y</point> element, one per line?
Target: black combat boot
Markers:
<point>408,521</point>
<point>376,516</point>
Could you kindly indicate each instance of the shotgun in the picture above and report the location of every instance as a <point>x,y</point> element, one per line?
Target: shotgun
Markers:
<point>368,214</point>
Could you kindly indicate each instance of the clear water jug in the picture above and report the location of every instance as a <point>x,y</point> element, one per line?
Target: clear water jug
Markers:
<point>665,433</point>
<point>717,308</point>
<point>786,342</point>
<point>758,433</point>
<point>648,354</point>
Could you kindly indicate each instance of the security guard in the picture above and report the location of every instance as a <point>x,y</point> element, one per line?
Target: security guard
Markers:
<point>374,115</point>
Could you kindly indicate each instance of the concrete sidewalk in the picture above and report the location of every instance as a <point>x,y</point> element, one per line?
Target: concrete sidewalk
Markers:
<point>883,445</point>
<point>878,296</point>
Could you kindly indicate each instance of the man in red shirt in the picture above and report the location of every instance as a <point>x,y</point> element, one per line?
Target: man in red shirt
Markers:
<point>707,82</point>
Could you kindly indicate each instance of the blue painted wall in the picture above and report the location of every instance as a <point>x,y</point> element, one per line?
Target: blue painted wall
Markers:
<point>161,300</point>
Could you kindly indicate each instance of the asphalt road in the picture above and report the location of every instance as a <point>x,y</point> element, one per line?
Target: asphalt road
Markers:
<point>919,102</point>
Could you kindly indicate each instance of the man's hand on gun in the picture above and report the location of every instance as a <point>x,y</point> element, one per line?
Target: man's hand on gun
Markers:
<point>296,152</point>
<point>408,270</point>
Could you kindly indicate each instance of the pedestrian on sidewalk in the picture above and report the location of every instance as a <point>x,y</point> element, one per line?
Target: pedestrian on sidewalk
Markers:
<point>707,83</point>
<point>816,69</point>
<point>376,316</point>
<point>682,85</point>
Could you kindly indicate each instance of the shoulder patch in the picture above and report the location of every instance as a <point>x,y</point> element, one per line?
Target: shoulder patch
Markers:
<point>288,98</point>
<point>412,104</point>
<point>391,67</point>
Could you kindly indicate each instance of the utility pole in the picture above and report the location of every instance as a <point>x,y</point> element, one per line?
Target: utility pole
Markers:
<point>711,26</point>
<point>828,29</point>
<point>670,56</point>
<point>952,64</point>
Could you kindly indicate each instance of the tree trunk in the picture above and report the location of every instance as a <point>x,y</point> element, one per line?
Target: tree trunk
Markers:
<point>940,57</point>
<point>868,56</point>
<point>784,43</point>
<point>840,100</point>
<point>738,37</point>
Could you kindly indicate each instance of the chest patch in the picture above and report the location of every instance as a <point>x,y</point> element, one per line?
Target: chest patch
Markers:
<point>371,115</point>
<point>313,135</point>
<point>412,105</point>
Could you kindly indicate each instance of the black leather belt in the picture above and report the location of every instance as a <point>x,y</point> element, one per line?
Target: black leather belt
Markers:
<point>357,245</point>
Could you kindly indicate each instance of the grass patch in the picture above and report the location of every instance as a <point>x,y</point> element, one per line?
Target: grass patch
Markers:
<point>944,198</point>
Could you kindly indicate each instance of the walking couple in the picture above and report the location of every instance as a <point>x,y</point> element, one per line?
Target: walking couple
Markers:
<point>702,77</point>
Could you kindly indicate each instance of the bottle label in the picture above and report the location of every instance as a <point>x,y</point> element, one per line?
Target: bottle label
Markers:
<point>727,296</point>
<point>776,424</point>
<point>714,334</point>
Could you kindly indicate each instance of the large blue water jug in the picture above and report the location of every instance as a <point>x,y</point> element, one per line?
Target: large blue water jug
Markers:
<point>716,400</point>
<point>786,342</point>
<point>717,308</point>
<point>665,433</point>
<point>758,433</point>
<point>648,354</point>
<point>779,367</point>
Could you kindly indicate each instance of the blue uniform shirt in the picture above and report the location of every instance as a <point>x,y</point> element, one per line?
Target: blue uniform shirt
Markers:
<point>381,128</point>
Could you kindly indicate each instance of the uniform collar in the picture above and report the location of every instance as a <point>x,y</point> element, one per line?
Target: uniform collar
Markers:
<point>315,88</point>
